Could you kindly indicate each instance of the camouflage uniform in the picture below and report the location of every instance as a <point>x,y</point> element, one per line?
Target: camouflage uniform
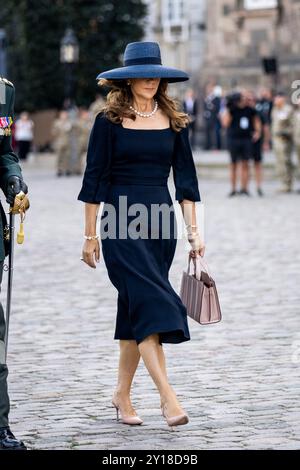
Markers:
<point>96,107</point>
<point>84,126</point>
<point>282,134</point>
<point>61,134</point>
<point>297,134</point>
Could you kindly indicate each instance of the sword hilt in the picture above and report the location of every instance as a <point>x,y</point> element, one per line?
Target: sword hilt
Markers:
<point>21,203</point>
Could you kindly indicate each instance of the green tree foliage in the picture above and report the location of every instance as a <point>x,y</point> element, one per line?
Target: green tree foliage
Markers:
<point>35,28</point>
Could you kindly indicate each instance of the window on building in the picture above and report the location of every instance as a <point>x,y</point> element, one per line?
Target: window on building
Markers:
<point>226,10</point>
<point>173,10</point>
<point>174,20</point>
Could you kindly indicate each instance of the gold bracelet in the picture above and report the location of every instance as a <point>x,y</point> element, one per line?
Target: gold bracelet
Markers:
<point>194,237</point>
<point>191,228</point>
<point>190,232</point>
<point>91,237</point>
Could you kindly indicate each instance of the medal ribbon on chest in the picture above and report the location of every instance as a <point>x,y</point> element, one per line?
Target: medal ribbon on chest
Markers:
<point>5,124</point>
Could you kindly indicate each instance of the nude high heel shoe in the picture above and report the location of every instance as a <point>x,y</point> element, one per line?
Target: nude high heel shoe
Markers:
<point>173,421</point>
<point>131,420</point>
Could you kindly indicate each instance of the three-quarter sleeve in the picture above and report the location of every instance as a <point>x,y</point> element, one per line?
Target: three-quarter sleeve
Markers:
<point>96,179</point>
<point>184,170</point>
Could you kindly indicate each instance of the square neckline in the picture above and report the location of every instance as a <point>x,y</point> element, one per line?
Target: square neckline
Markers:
<point>131,129</point>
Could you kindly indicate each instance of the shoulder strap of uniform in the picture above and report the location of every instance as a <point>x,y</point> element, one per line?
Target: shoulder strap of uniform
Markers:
<point>7,82</point>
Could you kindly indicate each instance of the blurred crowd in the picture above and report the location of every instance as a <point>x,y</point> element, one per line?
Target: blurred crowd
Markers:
<point>247,123</point>
<point>70,136</point>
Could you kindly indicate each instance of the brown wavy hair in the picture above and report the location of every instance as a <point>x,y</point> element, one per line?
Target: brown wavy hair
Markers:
<point>120,98</point>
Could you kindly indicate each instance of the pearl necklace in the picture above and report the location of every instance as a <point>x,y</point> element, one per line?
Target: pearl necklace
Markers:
<point>145,115</point>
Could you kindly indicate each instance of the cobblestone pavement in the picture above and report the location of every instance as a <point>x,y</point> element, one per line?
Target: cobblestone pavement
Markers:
<point>238,380</point>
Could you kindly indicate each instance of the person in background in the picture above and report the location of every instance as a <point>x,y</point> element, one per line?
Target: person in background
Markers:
<point>264,106</point>
<point>84,125</point>
<point>97,105</point>
<point>24,135</point>
<point>190,107</point>
<point>282,137</point>
<point>243,128</point>
<point>61,143</point>
<point>212,104</point>
<point>258,145</point>
<point>218,92</point>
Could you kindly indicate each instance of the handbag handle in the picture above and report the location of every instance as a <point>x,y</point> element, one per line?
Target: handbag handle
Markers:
<point>197,262</point>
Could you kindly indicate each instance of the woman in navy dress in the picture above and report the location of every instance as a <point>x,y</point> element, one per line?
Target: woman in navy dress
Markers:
<point>135,141</point>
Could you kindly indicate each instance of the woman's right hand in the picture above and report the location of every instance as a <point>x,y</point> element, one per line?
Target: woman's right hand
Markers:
<point>91,252</point>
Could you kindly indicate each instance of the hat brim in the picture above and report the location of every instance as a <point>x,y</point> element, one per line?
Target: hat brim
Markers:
<point>145,71</point>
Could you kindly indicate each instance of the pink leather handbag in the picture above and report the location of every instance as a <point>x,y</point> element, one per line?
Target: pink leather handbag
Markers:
<point>198,293</point>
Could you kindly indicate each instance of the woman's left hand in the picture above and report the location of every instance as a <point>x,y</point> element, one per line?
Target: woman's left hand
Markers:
<point>197,244</point>
<point>195,253</point>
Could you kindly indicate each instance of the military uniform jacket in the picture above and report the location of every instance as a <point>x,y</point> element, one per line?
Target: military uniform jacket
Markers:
<point>282,122</point>
<point>9,165</point>
<point>297,126</point>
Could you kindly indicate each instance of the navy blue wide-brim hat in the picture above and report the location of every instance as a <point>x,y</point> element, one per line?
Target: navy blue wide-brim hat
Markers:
<point>143,60</point>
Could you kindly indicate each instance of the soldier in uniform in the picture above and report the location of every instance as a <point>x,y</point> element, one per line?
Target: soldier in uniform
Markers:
<point>83,133</point>
<point>61,133</point>
<point>11,182</point>
<point>282,135</point>
<point>96,106</point>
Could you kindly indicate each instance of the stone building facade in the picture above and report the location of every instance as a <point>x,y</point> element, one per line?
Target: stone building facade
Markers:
<point>241,33</point>
<point>179,27</point>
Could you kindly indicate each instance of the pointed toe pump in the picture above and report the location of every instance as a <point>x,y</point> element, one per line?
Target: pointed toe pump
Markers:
<point>174,421</point>
<point>131,420</point>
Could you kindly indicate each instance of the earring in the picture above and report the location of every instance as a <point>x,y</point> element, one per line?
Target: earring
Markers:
<point>128,83</point>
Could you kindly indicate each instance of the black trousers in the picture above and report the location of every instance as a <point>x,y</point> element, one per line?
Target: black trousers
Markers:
<point>23,148</point>
<point>4,399</point>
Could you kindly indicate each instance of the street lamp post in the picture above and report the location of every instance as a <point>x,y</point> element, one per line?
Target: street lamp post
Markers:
<point>69,56</point>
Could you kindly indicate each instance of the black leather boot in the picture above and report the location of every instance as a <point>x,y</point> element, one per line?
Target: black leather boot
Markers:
<point>9,442</point>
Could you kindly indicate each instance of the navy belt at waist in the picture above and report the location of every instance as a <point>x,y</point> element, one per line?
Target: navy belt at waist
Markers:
<point>140,180</point>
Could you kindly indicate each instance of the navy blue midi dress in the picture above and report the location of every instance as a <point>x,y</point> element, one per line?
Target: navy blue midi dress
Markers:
<point>134,165</point>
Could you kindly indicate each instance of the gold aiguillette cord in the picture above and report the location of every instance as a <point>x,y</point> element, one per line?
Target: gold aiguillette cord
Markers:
<point>20,206</point>
<point>20,234</point>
